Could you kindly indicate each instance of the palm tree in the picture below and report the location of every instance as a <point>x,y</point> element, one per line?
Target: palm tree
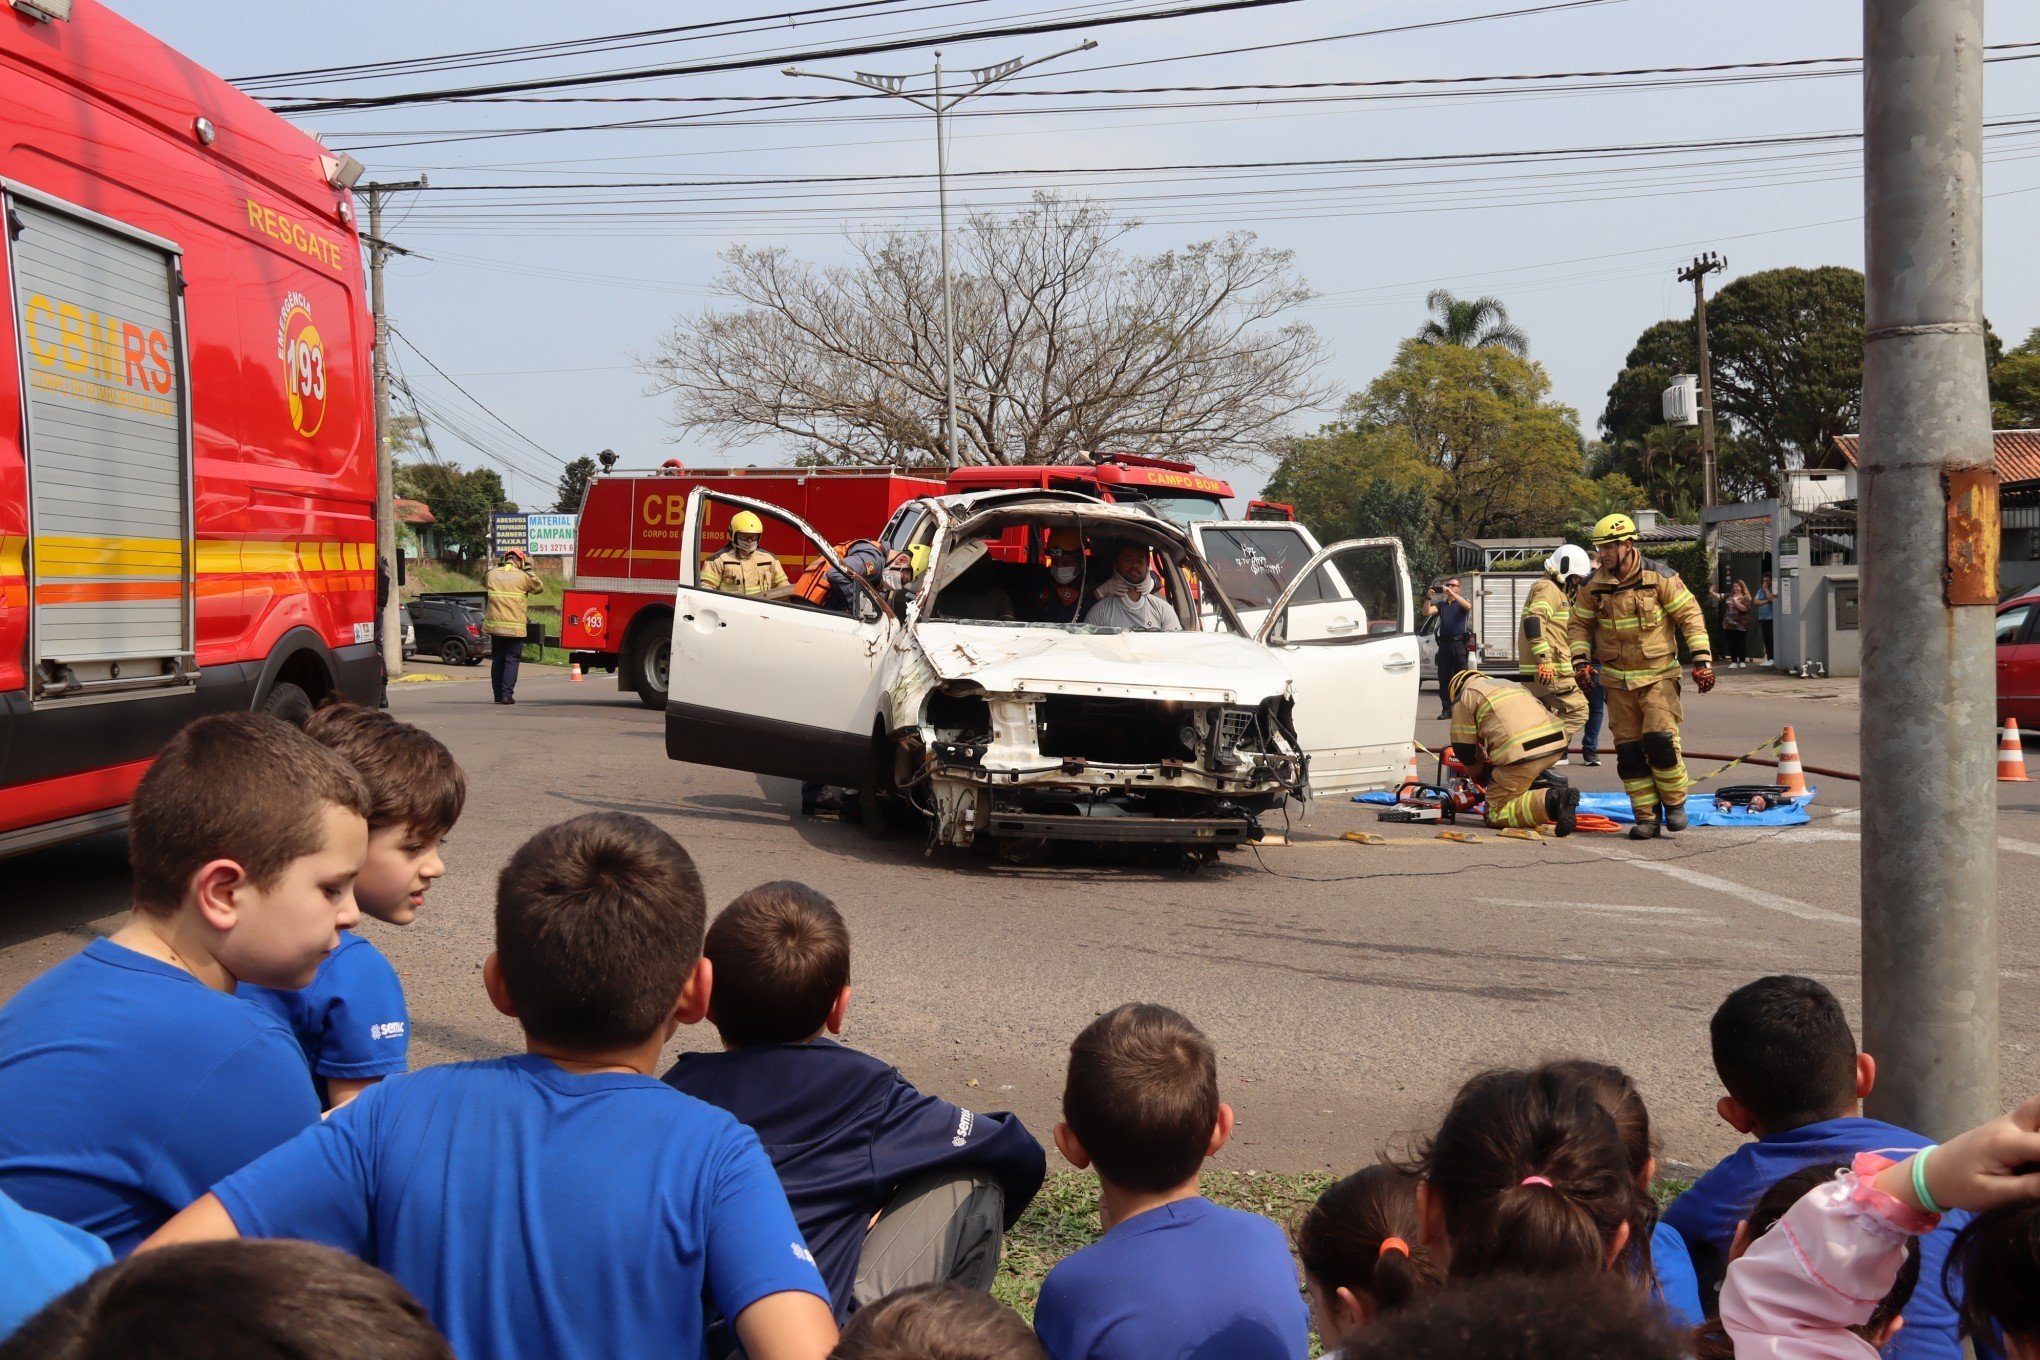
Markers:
<point>1471,323</point>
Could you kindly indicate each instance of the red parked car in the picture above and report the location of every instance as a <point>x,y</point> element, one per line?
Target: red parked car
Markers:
<point>2018,660</point>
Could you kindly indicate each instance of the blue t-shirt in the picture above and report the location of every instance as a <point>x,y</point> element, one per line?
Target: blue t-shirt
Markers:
<point>129,1087</point>
<point>1678,1285</point>
<point>40,1258</point>
<point>1453,624</point>
<point>539,1212</point>
<point>1186,1281</point>
<point>351,1020</point>
<point>1706,1216</point>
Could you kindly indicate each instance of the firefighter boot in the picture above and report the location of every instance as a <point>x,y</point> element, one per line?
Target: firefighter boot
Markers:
<point>1561,808</point>
<point>1675,817</point>
<point>1634,768</point>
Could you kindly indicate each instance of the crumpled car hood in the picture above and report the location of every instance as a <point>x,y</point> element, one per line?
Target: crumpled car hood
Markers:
<point>1193,667</point>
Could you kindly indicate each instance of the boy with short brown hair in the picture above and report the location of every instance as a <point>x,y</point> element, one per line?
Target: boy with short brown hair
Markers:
<point>134,1077</point>
<point>1174,1273</point>
<point>891,1187</point>
<point>352,1021</point>
<point>561,1203</point>
<point>936,1322</point>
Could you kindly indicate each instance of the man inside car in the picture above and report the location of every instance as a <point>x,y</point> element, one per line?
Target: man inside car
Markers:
<point>1127,600</point>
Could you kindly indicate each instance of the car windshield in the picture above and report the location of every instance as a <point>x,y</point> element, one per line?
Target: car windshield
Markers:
<point>1074,575</point>
<point>1184,509</point>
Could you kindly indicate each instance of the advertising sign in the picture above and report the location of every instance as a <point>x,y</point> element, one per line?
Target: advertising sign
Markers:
<point>507,532</point>
<point>550,535</point>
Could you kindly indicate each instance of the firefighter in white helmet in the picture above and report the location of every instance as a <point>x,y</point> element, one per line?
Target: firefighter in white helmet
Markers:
<point>1626,626</point>
<point>1543,645</point>
<point>744,568</point>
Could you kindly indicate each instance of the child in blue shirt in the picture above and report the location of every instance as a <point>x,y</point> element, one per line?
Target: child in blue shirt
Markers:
<point>40,1258</point>
<point>1784,1052</point>
<point>351,1022</point>
<point>845,1131</point>
<point>131,1076</point>
<point>1174,1274</point>
<point>563,1203</point>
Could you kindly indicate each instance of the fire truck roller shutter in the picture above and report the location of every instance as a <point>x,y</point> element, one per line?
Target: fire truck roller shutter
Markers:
<point>99,320</point>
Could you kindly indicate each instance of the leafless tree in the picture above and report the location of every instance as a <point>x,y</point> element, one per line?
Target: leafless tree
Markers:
<point>1066,346</point>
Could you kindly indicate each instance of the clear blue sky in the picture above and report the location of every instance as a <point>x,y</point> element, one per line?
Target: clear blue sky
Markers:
<point>537,316</point>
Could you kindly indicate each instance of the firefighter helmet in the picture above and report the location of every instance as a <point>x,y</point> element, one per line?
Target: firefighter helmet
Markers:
<point>1460,679</point>
<point>744,522</point>
<point>1065,540</point>
<point>1614,529</point>
<point>1569,562</point>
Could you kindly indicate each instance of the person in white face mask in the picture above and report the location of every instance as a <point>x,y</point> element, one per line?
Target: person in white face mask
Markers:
<point>1127,600</point>
<point>1060,597</point>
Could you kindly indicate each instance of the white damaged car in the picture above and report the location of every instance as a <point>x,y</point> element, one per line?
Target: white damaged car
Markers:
<point>978,694</point>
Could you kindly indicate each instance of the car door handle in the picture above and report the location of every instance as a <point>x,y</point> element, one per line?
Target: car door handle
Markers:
<point>1342,625</point>
<point>1400,663</point>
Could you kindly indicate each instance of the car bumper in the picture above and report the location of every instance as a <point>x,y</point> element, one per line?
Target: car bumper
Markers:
<point>1136,830</point>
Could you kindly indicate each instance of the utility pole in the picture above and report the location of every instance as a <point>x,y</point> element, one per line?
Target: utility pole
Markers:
<point>939,104</point>
<point>1696,274</point>
<point>389,629</point>
<point>1928,541</point>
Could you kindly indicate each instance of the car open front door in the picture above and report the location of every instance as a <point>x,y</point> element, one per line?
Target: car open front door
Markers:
<point>779,686</point>
<point>1342,625</point>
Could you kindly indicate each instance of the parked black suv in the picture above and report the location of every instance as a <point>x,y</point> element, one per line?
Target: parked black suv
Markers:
<point>449,630</point>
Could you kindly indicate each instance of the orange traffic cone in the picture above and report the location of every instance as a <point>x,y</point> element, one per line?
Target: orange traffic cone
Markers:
<point>2011,755</point>
<point>574,675</point>
<point>1791,774</point>
<point>1410,774</point>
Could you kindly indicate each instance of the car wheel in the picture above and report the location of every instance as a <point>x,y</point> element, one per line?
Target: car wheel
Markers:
<point>653,664</point>
<point>454,652</point>
<point>288,702</point>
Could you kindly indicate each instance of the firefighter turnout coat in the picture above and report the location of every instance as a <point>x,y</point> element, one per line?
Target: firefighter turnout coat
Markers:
<point>1549,611</point>
<point>735,573</point>
<point>1498,722</point>
<point>1630,628</point>
<point>503,610</point>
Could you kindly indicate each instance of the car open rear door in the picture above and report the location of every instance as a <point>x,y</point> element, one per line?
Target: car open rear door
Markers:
<point>777,686</point>
<point>1343,626</point>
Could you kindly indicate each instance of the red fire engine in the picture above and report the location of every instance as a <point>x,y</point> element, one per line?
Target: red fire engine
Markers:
<point>1176,490</point>
<point>187,456</point>
<point>619,616</point>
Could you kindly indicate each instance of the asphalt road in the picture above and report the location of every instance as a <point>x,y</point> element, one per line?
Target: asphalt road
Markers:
<point>1349,988</point>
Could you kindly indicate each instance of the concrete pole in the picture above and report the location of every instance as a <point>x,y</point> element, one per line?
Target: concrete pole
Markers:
<point>948,289</point>
<point>1929,560</point>
<point>1710,485</point>
<point>390,623</point>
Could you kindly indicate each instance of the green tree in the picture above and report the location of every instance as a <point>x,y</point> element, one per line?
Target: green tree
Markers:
<point>461,500</point>
<point>2015,386</point>
<point>1471,323</point>
<point>1468,433</point>
<point>574,485</point>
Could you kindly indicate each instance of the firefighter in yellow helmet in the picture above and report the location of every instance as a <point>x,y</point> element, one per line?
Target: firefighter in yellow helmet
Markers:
<point>1543,643</point>
<point>1506,740</point>
<point>744,568</point>
<point>1626,626</point>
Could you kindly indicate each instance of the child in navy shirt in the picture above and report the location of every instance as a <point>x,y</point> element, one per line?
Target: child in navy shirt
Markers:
<point>1785,1053</point>
<point>850,1138</point>
<point>351,1022</point>
<point>563,1203</point>
<point>131,1076</point>
<point>1174,1274</point>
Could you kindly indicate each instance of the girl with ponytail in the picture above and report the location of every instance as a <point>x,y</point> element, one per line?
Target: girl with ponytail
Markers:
<point>1361,1256</point>
<point>1526,1175</point>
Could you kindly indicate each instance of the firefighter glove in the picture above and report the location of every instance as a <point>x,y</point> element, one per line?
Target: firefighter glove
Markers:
<point>1583,671</point>
<point>1547,673</point>
<point>1703,676</point>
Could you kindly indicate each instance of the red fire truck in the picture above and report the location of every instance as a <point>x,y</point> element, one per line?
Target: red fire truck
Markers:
<point>187,457</point>
<point>619,615</point>
<point>1176,490</point>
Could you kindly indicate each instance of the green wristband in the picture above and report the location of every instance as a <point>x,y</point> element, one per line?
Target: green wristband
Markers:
<point>1919,1179</point>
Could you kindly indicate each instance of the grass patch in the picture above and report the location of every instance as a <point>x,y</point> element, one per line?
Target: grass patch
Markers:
<point>436,578</point>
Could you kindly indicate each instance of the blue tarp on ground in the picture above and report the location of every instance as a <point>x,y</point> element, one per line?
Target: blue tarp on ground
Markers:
<point>1700,809</point>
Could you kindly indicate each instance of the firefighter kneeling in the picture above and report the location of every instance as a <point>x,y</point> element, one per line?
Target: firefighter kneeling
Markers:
<point>1623,626</point>
<point>1506,740</point>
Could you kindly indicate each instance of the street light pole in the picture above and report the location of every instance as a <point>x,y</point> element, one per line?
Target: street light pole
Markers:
<point>940,103</point>
<point>1929,537</point>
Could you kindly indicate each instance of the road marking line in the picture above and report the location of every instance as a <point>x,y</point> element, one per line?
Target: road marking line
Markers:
<point>1585,906</point>
<point>1854,816</point>
<point>1755,896</point>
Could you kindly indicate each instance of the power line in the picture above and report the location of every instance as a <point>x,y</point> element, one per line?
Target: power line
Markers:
<point>473,398</point>
<point>850,50</point>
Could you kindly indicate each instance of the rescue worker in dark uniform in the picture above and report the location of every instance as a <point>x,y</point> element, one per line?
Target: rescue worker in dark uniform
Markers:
<point>1543,643</point>
<point>744,568</point>
<point>1626,626</point>
<point>1455,635</point>
<point>1060,597</point>
<point>1506,740</point>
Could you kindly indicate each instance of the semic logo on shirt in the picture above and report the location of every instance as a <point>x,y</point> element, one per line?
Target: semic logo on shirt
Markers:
<point>393,1029</point>
<point>802,1253</point>
<point>964,1120</point>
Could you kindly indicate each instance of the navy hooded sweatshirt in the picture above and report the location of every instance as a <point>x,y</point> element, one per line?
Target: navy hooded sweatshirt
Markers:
<point>844,1129</point>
